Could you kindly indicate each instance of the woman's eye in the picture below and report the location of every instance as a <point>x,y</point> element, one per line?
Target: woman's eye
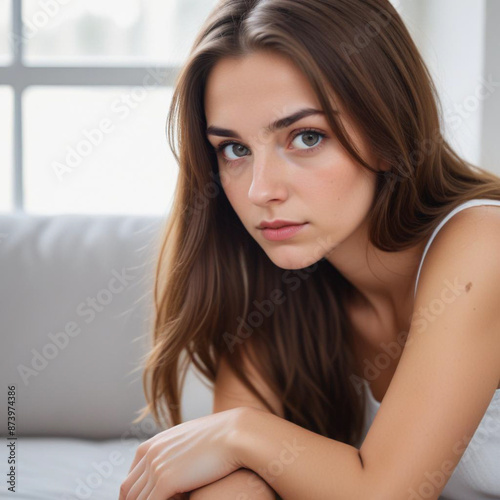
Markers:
<point>308,139</point>
<point>236,149</point>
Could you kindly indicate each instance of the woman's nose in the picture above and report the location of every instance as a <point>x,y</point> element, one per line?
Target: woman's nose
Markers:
<point>269,178</point>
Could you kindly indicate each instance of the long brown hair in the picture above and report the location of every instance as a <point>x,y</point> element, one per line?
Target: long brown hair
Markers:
<point>217,293</point>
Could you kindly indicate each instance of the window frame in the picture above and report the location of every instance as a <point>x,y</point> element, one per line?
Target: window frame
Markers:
<point>18,76</point>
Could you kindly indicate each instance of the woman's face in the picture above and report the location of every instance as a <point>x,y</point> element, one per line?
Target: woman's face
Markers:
<point>297,172</point>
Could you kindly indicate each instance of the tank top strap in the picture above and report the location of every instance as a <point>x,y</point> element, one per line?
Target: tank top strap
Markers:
<point>467,204</point>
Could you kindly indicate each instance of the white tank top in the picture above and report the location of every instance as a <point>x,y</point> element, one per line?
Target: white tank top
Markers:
<point>477,475</point>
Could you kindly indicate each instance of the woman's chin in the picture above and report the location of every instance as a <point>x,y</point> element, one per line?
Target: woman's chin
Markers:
<point>291,263</point>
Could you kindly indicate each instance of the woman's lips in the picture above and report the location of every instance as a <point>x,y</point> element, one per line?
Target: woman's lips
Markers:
<point>282,233</point>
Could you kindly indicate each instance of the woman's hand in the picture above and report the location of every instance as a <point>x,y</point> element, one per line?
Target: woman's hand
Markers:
<point>183,458</point>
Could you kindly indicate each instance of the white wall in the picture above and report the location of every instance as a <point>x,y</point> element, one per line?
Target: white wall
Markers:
<point>490,133</point>
<point>461,48</point>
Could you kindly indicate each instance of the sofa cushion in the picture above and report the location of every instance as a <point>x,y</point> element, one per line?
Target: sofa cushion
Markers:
<point>72,469</point>
<point>76,302</point>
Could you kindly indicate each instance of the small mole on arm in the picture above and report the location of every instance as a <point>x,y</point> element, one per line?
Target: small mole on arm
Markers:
<point>468,286</point>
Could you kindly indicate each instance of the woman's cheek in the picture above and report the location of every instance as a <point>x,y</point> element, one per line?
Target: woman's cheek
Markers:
<point>231,177</point>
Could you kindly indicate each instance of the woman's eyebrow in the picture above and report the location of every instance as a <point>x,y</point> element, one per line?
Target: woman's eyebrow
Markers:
<point>277,125</point>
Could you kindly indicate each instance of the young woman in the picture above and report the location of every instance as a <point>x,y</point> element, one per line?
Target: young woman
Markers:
<point>329,263</point>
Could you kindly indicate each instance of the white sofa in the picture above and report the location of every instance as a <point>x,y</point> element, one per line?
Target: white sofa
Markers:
<point>76,308</point>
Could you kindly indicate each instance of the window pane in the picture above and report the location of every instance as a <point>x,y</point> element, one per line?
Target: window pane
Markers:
<point>5,24</point>
<point>6,160</point>
<point>97,150</point>
<point>104,31</point>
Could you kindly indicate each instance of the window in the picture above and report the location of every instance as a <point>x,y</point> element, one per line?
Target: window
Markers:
<point>96,150</point>
<point>81,131</point>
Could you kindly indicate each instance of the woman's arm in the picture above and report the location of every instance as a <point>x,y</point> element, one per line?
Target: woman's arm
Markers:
<point>230,392</point>
<point>242,484</point>
<point>446,378</point>
<point>296,462</point>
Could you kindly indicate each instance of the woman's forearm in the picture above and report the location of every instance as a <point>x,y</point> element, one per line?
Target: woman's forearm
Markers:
<point>242,484</point>
<point>296,462</point>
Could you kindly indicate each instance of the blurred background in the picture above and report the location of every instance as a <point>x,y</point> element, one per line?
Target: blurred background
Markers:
<point>85,87</point>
